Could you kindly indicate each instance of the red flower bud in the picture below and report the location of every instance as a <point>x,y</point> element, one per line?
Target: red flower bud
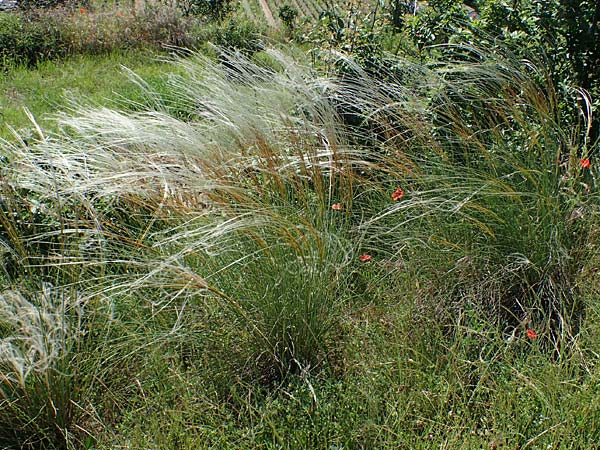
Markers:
<point>531,334</point>
<point>398,194</point>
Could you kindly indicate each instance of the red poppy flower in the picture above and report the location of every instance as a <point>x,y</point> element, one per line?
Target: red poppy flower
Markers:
<point>119,14</point>
<point>365,258</point>
<point>531,334</point>
<point>585,163</point>
<point>398,194</point>
<point>82,10</point>
<point>336,206</point>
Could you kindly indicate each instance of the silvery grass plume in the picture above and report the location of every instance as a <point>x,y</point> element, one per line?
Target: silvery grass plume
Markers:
<point>229,200</point>
<point>260,122</point>
<point>38,333</point>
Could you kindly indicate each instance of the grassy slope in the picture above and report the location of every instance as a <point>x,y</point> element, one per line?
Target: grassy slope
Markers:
<point>402,383</point>
<point>48,88</point>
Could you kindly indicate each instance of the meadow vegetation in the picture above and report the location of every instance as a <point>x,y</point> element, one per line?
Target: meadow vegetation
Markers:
<point>382,243</point>
<point>101,80</point>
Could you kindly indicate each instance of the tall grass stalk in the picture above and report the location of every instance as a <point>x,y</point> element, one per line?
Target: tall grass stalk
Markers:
<point>36,402</point>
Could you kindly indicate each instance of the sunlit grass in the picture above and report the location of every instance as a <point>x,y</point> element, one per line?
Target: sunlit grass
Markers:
<point>46,89</point>
<point>219,222</point>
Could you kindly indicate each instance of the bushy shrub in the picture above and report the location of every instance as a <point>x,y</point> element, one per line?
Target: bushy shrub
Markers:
<point>211,9</point>
<point>55,32</point>
<point>288,15</point>
<point>567,33</point>
<point>241,35</point>
<point>26,41</point>
<point>33,5</point>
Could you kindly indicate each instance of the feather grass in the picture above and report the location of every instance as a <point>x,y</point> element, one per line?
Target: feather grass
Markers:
<point>260,201</point>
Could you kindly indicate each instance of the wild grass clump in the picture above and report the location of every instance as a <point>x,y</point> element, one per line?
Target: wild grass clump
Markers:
<point>502,203</point>
<point>234,204</point>
<point>464,171</point>
<point>88,31</point>
<point>35,35</point>
<point>40,332</point>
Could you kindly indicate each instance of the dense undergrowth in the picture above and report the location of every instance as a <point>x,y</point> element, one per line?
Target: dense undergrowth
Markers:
<point>33,36</point>
<point>259,256</point>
